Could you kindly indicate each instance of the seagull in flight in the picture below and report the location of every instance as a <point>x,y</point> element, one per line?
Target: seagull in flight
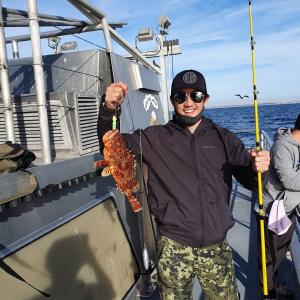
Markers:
<point>242,97</point>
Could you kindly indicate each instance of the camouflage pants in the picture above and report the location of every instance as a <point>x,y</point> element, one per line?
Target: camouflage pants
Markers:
<point>178,265</point>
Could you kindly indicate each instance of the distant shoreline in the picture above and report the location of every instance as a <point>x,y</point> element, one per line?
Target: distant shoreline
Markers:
<point>251,104</point>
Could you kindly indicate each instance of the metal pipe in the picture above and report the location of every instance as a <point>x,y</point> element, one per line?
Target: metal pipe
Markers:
<point>15,49</point>
<point>23,13</point>
<point>19,18</point>
<point>164,88</point>
<point>88,9</point>
<point>106,35</point>
<point>135,53</point>
<point>96,16</point>
<point>5,87</point>
<point>60,32</point>
<point>39,80</point>
<point>20,22</point>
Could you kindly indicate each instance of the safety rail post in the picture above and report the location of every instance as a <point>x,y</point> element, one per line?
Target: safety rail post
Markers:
<point>96,16</point>
<point>15,49</point>
<point>39,80</point>
<point>5,86</point>
<point>164,88</point>
<point>106,34</point>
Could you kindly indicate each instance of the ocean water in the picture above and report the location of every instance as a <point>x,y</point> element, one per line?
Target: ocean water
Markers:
<point>241,119</point>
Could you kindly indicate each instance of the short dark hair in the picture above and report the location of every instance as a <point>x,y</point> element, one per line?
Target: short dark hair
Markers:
<point>297,123</point>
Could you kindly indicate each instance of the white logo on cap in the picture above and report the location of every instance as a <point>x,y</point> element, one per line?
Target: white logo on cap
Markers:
<point>189,77</point>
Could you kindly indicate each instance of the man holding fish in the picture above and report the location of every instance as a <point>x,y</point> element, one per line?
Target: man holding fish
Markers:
<point>191,161</point>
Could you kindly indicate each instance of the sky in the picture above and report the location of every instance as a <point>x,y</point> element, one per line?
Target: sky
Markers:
<point>214,39</point>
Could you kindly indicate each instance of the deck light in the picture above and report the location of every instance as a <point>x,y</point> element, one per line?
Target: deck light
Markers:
<point>164,23</point>
<point>145,34</point>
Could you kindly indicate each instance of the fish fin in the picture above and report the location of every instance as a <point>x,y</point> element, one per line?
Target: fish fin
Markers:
<point>136,187</point>
<point>106,172</point>
<point>101,164</point>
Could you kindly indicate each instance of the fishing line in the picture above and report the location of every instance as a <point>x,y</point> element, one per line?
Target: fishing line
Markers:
<point>87,41</point>
<point>57,67</point>
<point>130,112</point>
<point>141,217</point>
<point>144,172</point>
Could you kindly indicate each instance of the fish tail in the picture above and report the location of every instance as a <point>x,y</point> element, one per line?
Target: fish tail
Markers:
<point>135,204</point>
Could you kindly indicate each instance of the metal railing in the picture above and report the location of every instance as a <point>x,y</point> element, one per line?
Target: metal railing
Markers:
<point>97,17</point>
<point>265,140</point>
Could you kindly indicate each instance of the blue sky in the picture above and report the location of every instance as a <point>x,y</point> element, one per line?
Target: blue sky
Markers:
<point>214,39</point>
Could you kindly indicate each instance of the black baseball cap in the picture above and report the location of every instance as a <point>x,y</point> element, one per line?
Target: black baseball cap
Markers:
<point>188,79</point>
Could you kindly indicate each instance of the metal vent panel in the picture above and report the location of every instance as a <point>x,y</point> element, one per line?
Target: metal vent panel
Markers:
<point>87,108</point>
<point>27,126</point>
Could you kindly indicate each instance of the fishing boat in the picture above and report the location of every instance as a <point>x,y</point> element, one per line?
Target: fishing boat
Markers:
<point>75,236</point>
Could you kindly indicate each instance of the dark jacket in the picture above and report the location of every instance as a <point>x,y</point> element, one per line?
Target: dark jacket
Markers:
<point>190,177</point>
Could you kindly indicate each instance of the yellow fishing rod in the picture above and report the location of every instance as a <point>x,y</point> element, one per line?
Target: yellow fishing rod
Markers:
<point>259,177</point>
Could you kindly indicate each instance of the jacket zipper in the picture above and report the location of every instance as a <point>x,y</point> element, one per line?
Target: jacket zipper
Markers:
<point>201,205</point>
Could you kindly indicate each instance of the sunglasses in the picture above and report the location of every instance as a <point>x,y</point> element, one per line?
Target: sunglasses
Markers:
<point>196,96</point>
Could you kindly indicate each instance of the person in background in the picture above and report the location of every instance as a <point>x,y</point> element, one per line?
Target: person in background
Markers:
<point>190,161</point>
<point>284,184</point>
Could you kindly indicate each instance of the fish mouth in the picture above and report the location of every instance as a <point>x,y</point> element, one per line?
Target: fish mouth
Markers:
<point>110,134</point>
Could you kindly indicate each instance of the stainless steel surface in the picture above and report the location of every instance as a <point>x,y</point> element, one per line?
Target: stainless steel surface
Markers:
<point>62,32</point>
<point>21,14</point>
<point>106,33</point>
<point>89,10</point>
<point>23,22</point>
<point>142,107</point>
<point>164,88</point>
<point>15,49</point>
<point>5,86</point>
<point>96,16</point>
<point>266,141</point>
<point>144,78</point>
<point>62,171</point>
<point>72,119</point>
<point>39,80</point>
<point>86,113</point>
<point>83,71</point>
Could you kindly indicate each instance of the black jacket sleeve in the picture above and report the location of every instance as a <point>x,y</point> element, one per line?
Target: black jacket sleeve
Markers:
<point>241,164</point>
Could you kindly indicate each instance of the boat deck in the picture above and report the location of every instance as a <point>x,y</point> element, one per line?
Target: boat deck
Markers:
<point>243,240</point>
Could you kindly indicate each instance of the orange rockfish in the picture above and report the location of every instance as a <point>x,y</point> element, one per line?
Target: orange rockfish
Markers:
<point>119,162</point>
